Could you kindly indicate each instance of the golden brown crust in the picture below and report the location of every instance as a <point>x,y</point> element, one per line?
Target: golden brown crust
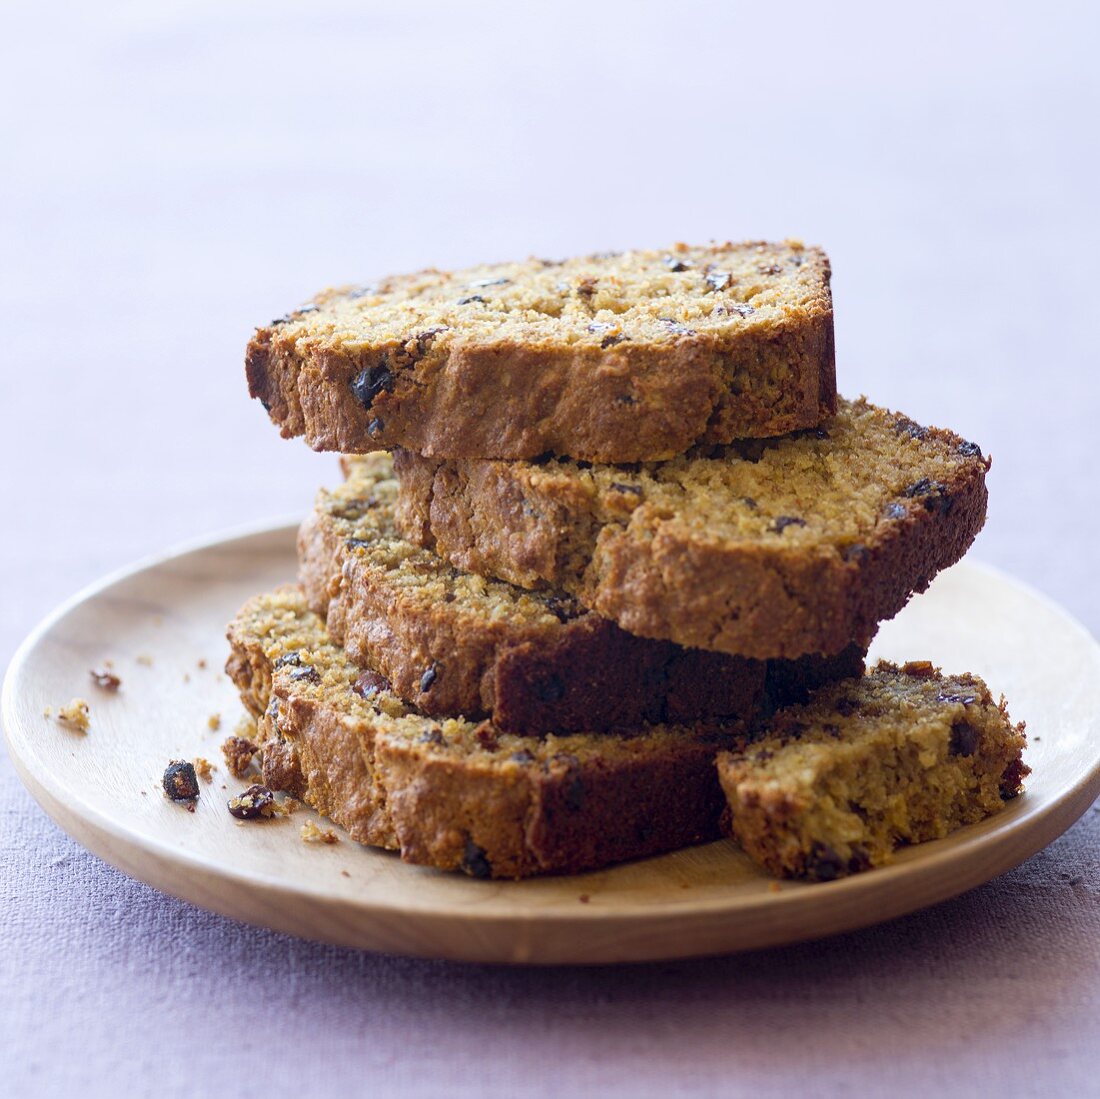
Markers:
<point>796,546</point>
<point>460,795</point>
<point>688,359</point>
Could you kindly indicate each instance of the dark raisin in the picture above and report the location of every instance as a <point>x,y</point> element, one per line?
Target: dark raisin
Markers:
<point>370,683</point>
<point>931,494</point>
<point>910,428</point>
<point>770,269</point>
<point>735,308</point>
<point>969,450</point>
<point>267,406</point>
<point>180,781</point>
<point>634,490</point>
<point>675,327</point>
<point>625,398</point>
<point>471,299</point>
<point>823,863</point>
<point>294,314</point>
<point>293,660</point>
<point>1012,779</point>
<point>434,736</point>
<point>550,689</point>
<point>105,679</point>
<point>749,502</point>
<point>718,280</point>
<point>896,511</point>
<point>368,383</point>
<point>305,674</point>
<point>845,706</point>
<point>958,696</point>
<point>425,339</point>
<point>475,862</point>
<point>783,521</point>
<point>429,677</point>
<point>375,427</point>
<point>522,756</point>
<point>257,801</point>
<point>480,284</point>
<point>561,607</point>
<point>674,263</point>
<point>831,730</point>
<point>611,341</point>
<point>964,739</point>
<point>486,736</point>
<point>857,551</point>
<point>587,287</point>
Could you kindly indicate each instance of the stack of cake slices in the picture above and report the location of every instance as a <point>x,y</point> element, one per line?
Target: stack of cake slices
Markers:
<point>602,572</point>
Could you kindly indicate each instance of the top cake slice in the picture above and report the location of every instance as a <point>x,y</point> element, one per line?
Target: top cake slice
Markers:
<point>617,357</point>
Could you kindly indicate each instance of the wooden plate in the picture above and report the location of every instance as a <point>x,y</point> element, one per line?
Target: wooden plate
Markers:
<point>162,625</point>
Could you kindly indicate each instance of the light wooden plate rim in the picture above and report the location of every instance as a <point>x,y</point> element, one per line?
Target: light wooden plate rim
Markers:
<point>924,876</point>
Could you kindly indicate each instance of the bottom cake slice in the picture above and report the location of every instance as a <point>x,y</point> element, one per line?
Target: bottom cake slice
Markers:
<point>901,756</point>
<point>457,794</point>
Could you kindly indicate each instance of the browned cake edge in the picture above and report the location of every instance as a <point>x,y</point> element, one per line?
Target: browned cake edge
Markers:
<point>626,403</point>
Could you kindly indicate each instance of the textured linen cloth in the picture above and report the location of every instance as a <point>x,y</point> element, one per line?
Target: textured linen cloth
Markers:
<point>175,173</point>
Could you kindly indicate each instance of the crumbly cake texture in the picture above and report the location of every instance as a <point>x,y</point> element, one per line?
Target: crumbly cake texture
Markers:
<point>769,548</point>
<point>901,756</point>
<point>535,662</point>
<point>617,357</point>
<point>457,794</point>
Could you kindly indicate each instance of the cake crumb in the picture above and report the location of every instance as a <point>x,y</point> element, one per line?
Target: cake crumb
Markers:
<point>312,834</point>
<point>204,768</point>
<point>774,887</point>
<point>48,712</point>
<point>214,721</point>
<point>75,715</point>
<point>103,677</point>
<point>202,664</point>
<point>187,677</point>
<point>344,874</point>
<point>144,659</point>
<point>238,752</point>
<point>584,898</point>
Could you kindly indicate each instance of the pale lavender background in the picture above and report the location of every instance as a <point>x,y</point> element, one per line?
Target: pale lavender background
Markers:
<point>174,173</point>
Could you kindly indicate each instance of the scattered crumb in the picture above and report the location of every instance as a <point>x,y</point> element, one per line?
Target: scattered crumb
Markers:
<point>344,874</point>
<point>144,659</point>
<point>214,721</point>
<point>186,677</point>
<point>684,885</point>
<point>204,768</point>
<point>105,679</point>
<point>291,805</point>
<point>181,783</point>
<point>584,898</point>
<point>75,715</point>
<point>202,664</point>
<point>774,887</point>
<point>1036,739</point>
<point>144,794</point>
<point>48,712</point>
<point>312,834</point>
<point>238,752</point>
